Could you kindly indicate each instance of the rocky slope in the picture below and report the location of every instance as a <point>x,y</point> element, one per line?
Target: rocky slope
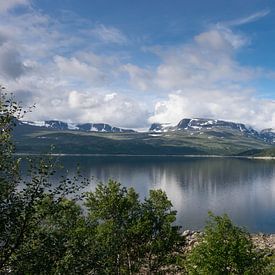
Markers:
<point>215,127</point>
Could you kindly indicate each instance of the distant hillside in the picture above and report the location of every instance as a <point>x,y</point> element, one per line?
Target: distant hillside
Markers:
<point>204,125</point>
<point>269,152</point>
<point>85,127</point>
<point>200,137</point>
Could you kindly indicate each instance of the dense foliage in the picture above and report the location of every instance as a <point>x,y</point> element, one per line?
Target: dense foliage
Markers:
<point>225,249</point>
<point>133,234</point>
<point>20,198</point>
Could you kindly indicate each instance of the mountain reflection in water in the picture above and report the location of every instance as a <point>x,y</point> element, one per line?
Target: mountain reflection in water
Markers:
<point>242,188</point>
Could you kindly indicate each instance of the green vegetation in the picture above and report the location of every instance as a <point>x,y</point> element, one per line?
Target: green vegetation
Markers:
<point>47,229</point>
<point>29,139</point>
<point>133,234</point>
<point>20,199</point>
<point>225,249</point>
<point>119,235</point>
<point>266,153</point>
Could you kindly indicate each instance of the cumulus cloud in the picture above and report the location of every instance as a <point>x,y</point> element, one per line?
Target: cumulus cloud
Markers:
<point>233,104</point>
<point>220,39</point>
<point>78,70</point>
<point>207,61</point>
<point>108,107</point>
<point>72,78</point>
<point>43,65</point>
<point>204,79</point>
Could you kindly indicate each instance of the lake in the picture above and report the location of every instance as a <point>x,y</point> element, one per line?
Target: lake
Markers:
<point>242,188</point>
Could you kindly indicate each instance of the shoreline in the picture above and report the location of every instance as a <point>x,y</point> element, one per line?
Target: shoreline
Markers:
<point>262,241</point>
<point>137,155</point>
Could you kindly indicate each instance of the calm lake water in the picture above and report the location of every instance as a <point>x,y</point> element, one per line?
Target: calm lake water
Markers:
<point>242,188</point>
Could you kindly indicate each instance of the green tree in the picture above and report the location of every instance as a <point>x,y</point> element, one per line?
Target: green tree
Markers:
<point>10,199</point>
<point>60,241</point>
<point>131,234</point>
<point>19,198</point>
<point>162,239</point>
<point>115,210</point>
<point>225,249</point>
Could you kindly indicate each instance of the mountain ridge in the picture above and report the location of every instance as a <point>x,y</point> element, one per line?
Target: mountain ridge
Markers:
<point>85,127</point>
<point>206,125</point>
<point>188,125</point>
<point>202,137</point>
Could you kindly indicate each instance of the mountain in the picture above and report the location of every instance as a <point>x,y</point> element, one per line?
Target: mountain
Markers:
<point>85,127</point>
<point>212,127</point>
<point>268,134</point>
<point>189,137</point>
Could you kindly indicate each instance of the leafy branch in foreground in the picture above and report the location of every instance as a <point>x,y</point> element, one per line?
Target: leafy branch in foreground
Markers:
<point>19,198</point>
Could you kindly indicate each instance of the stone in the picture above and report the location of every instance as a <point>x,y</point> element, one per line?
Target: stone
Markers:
<point>186,233</point>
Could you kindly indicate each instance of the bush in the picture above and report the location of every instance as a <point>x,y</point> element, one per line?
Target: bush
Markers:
<point>225,249</point>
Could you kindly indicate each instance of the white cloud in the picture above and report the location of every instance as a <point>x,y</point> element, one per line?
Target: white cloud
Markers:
<point>6,5</point>
<point>109,107</point>
<point>208,80</point>
<point>206,62</point>
<point>109,34</point>
<point>248,19</point>
<point>70,78</point>
<point>220,39</point>
<point>140,78</point>
<point>233,104</point>
<point>42,64</point>
<point>77,70</point>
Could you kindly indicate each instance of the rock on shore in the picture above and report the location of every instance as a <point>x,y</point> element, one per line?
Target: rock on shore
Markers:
<point>265,242</point>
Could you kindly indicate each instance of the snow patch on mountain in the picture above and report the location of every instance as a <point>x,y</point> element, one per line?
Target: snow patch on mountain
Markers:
<point>201,125</point>
<point>86,127</point>
<point>35,123</point>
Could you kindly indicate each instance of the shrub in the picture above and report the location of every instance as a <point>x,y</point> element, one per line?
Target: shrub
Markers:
<point>225,249</point>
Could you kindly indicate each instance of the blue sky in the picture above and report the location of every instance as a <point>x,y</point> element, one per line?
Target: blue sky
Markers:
<point>131,63</point>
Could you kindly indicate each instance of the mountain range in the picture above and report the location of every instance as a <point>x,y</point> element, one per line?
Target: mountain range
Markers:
<point>189,125</point>
<point>86,127</point>
<point>197,136</point>
<point>207,125</point>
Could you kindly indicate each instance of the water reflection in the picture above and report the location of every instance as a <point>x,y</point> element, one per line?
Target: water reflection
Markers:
<point>245,189</point>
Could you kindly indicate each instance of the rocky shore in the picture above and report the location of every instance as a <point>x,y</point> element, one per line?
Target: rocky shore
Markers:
<point>264,242</point>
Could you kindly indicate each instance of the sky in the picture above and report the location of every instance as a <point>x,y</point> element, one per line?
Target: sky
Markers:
<point>133,63</point>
